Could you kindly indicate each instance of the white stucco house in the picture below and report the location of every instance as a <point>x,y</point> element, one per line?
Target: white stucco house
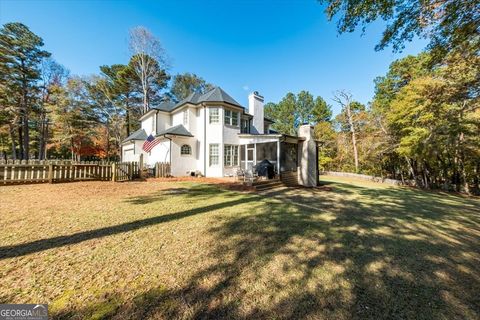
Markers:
<point>213,135</point>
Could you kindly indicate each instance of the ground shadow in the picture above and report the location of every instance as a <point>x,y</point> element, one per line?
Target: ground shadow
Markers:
<point>389,253</point>
<point>18,250</point>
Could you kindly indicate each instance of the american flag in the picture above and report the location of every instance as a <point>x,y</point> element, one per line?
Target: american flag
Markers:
<point>150,143</point>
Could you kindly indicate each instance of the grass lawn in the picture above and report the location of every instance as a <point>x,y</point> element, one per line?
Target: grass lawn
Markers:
<point>350,249</point>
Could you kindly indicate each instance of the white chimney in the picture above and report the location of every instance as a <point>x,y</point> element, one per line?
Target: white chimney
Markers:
<point>255,108</point>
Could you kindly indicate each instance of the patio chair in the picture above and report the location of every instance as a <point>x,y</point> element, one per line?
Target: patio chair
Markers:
<point>250,177</point>
<point>240,174</point>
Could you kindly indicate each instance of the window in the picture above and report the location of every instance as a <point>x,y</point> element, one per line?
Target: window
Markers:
<point>128,153</point>
<point>214,154</point>
<point>185,117</point>
<point>235,119</point>
<point>228,117</point>
<point>230,156</point>
<point>245,126</point>
<point>231,118</point>
<point>185,150</point>
<point>214,115</point>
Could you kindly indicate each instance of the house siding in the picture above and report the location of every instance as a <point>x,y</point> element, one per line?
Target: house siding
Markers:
<point>214,136</point>
<point>206,133</point>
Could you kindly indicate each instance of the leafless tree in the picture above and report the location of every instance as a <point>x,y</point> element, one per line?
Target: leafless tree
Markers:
<point>344,99</point>
<point>149,55</point>
<point>52,75</point>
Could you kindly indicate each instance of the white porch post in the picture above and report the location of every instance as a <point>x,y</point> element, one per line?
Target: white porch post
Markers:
<point>278,157</point>
<point>254,154</point>
<point>246,157</point>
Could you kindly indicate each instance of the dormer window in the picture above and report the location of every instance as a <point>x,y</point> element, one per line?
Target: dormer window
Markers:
<point>231,118</point>
<point>185,117</point>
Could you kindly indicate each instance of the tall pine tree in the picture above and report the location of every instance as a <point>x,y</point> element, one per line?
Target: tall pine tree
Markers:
<point>21,54</point>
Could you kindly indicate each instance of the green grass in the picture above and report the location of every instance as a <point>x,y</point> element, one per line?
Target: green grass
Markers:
<point>350,249</point>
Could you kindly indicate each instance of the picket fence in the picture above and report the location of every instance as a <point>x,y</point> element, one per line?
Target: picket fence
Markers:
<point>162,170</point>
<point>54,161</point>
<point>55,171</point>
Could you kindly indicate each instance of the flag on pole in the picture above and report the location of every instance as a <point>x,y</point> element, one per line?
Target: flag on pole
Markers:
<point>150,143</point>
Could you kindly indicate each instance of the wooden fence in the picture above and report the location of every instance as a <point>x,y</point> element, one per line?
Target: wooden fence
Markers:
<point>58,161</point>
<point>51,173</point>
<point>367,177</point>
<point>125,171</point>
<point>162,170</point>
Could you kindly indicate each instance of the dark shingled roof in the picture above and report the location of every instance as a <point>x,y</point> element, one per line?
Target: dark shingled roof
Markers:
<point>214,95</point>
<point>178,130</point>
<point>137,135</point>
<point>165,106</point>
<point>217,95</point>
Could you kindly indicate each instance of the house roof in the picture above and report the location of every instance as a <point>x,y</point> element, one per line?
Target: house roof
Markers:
<point>216,94</point>
<point>166,106</point>
<point>137,135</point>
<point>178,130</point>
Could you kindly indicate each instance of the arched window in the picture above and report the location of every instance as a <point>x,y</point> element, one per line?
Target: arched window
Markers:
<point>186,150</point>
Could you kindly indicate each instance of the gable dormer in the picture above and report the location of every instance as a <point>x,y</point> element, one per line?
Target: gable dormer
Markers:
<point>149,122</point>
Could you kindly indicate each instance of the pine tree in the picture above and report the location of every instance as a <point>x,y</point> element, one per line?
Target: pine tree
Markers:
<point>21,54</point>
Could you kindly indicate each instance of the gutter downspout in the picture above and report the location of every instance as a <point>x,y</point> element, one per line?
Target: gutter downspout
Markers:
<point>156,122</point>
<point>204,140</point>
<point>170,151</point>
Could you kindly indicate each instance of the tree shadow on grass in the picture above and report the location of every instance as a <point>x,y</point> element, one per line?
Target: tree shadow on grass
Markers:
<point>188,192</point>
<point>390,254</point>
<point>22,249</point>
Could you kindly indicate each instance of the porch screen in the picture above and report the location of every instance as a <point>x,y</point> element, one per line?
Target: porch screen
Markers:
<point>288,156</point>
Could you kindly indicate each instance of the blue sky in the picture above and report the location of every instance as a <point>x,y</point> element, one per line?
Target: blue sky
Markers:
<point>270,46</point>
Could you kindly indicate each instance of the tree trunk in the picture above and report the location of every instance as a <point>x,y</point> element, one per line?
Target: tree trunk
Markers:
<point>426,185</point>
<point>72,149</point>
<point>108,142</point>
<point>354,138</point>
<point>26,135</point>
<point>412,172</point>
<point>476,178</point>
<point>20,140</point>
<point>45,156</point>
<point>24,114</point>
<point>12,139</point>
<point>145,98</point>
<point>461,163</point>
<point>41,137</point>
<point>127,120</point>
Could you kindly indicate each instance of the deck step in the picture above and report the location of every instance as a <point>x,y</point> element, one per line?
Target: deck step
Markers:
<point>290,178</point>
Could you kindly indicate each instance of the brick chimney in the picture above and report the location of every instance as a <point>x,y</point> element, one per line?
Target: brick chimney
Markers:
<point>255,108</point>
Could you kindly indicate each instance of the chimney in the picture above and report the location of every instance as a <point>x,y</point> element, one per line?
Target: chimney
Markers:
<point>307,157</point>
<point>255,108</point>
